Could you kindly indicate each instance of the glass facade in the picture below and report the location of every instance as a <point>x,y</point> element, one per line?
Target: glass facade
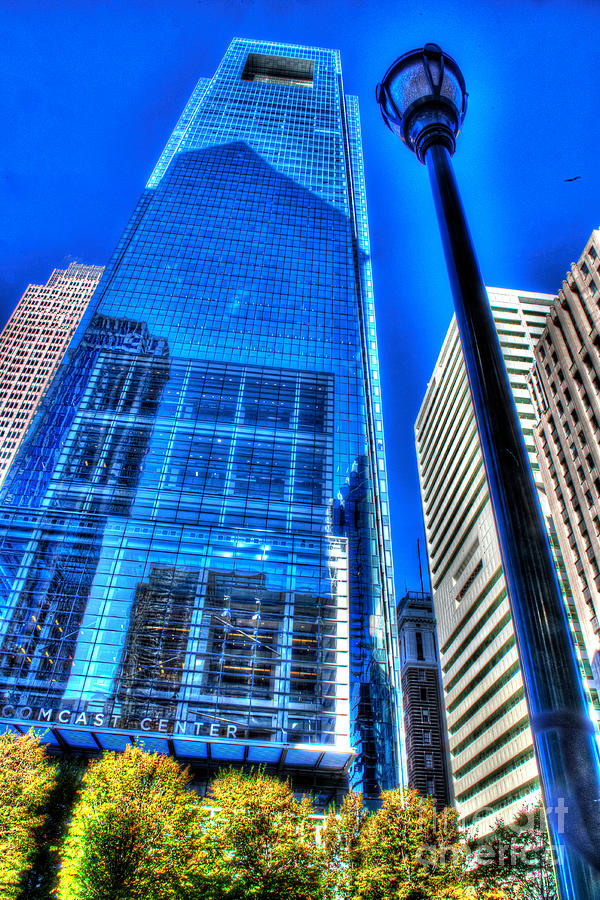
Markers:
<point>194,536</point>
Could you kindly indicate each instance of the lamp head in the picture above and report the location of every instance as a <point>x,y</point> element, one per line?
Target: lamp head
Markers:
<point>423,99</point>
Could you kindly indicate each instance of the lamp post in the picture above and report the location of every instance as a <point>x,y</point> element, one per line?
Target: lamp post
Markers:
<point>423,101</point>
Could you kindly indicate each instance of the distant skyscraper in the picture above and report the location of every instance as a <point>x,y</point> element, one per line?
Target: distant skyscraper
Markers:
<point>491,750</point>
<point>424,724</point>
<point>566,387</point>
<point>32,345</point>
<point>196,534</point>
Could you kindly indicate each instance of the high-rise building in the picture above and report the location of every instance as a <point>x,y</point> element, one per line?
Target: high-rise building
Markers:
<point>32,345</point>
<point>566,387</point>
<point>195,533</point>
<point>423,714</point>
<point>491,751</point>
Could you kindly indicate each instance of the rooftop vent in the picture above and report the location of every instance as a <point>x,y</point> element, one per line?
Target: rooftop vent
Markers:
<point>279,70</point>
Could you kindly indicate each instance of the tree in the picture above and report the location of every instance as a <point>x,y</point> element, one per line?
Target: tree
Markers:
<point>340,841</point>
<point>263,840</point>
<point>134,834</point>
<point>407,852</point>
<point>516,858</point>
<point>40,879</point>
<point>26,781</point>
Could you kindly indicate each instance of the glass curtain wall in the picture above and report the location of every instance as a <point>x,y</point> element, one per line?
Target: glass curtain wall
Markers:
<point>194,536</point>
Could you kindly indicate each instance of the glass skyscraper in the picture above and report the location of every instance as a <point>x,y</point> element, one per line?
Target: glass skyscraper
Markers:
<point>194,536</point>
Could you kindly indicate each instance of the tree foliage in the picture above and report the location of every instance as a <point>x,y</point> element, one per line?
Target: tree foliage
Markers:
<point>134,832</point>
<point>408,852</point>
<point>26,781</point>
<point>262,840</point>
<point>340,842</point>
<point>516,858</point>
<point>139,832</point>
<point>39,881</point>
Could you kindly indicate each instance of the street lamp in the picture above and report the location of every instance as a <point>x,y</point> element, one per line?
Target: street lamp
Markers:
<point>423,101</point>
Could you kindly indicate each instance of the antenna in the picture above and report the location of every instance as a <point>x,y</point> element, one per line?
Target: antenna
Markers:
<point>420,569</point>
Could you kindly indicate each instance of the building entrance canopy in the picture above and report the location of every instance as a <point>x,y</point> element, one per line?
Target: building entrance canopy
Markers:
<point>202,747</point>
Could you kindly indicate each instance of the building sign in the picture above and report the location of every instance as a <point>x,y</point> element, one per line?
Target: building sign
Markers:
<point>60,716</point>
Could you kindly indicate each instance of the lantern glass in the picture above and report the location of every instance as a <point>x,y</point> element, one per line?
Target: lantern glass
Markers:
<point>423,99</point>
<point>410,82</point>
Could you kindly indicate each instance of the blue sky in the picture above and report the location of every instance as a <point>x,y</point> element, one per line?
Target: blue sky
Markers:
<point>89,92</point>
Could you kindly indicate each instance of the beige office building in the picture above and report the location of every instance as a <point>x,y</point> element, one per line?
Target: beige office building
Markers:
<point>566,388</point>
<point>491,750</point>
<point>32,345</point>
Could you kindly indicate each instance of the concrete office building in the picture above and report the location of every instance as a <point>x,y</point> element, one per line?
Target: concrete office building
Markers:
<point>32,345</point>
<point>565,384</point>
<point>423,714</point>
<point>491,752</point>
<point>197,531</point>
